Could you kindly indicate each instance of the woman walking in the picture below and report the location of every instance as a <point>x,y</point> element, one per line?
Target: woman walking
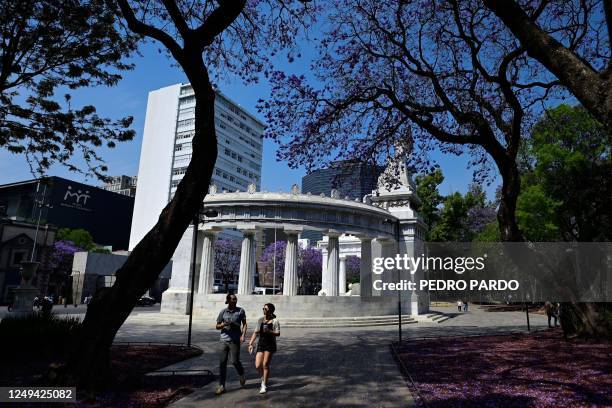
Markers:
<point>268,329</point>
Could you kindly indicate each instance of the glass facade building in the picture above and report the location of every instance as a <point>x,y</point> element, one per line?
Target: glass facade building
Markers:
<point>351,178</point>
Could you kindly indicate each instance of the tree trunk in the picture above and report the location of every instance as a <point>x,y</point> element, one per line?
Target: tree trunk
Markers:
<point>506,214</point>
<point>587,319</point>
<point>110,307</point>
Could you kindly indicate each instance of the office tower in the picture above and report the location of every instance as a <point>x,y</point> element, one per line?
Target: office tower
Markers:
<point>166,151</point>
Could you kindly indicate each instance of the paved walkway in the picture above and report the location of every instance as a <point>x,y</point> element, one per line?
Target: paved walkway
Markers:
<point>348,367</point>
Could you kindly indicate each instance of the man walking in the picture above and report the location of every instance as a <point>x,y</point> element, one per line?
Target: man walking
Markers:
<point>233,325</point>
<point>550,312</point>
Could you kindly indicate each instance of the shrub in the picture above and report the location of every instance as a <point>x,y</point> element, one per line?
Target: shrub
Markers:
<point>37,336</point>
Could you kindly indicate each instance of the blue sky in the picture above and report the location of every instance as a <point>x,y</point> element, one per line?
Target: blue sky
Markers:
<point>154,70</point>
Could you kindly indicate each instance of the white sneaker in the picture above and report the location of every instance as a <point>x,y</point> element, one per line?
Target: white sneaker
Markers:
<point>263,389</point>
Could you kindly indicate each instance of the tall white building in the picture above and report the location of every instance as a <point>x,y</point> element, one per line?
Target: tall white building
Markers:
<point>166,151</point>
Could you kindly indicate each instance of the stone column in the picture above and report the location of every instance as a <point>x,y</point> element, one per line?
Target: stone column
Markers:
<point>365,267</point>
<point>333,265</point>
<point>324,268</point>
<point>253,266</point>
<point>342,276</point>
<point>290,286</point>
<point>247,260</point>
<point>176,298</point>
<point>207,264</point>
<point>388,250</point>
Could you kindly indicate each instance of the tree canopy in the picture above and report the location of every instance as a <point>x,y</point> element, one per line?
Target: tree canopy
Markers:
<point>78,237</point>
<point>227,260</point>
<point>572,40</point>
<point>456,217</point>
<point>567,178</point>
<point>440,75</point>
<point>51,47</point>
<point>309,265</point>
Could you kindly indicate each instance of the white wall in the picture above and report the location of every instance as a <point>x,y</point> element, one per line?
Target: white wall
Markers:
<point>155,168</point>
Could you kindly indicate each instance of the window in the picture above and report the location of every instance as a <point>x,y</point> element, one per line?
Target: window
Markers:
<point>184,135</point>
<point>179,171</point>
<point>18,257</point>
<point>185,123</point>
<point>178,148</point>
<point>186,113</point>
<point>186,101</point>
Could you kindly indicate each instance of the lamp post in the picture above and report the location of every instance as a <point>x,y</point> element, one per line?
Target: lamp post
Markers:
<point>274,265</point>
<point>40,203</point>
<point>196,221</point>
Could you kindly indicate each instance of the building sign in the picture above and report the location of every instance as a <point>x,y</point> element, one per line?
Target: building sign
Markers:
<point>76,199</point>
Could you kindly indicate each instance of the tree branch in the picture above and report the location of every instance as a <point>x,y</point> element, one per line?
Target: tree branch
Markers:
<point>219,20</point>
<point>575,73</point>
<point>141,28</point>
<point>177,18</point>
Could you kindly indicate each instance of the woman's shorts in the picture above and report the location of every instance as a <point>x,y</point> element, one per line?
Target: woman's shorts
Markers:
<point>266,347</point>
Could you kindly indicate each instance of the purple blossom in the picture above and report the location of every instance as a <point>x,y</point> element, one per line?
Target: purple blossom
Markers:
<point>309,264</point>
<point>63,253</point>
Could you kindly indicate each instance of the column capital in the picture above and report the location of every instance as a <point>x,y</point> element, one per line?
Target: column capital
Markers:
<point>293,230</point>
<point>212,231</point>
<point>247,229</point>
<point>331,233</point>
<point>343,257</point>
<point>365,238</point>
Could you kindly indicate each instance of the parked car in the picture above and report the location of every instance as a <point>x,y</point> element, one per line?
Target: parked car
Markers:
<point>146,301</point>
<point>260,290</point>
<point>220,287</point>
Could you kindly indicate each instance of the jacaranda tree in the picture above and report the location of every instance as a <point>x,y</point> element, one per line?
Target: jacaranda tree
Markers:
<point>309,265</point>
<point>442,75</point>
<point>227,260</point>
<point>206,39</point>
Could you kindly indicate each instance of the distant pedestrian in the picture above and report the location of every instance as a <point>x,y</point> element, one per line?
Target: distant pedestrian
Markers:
<point>550,313</point>
<point>465,306</point>
<point>47,306</point>
<point>233,325</point>
<point>268,329</point>
<point>459,305</point>
<point>10,299</point>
